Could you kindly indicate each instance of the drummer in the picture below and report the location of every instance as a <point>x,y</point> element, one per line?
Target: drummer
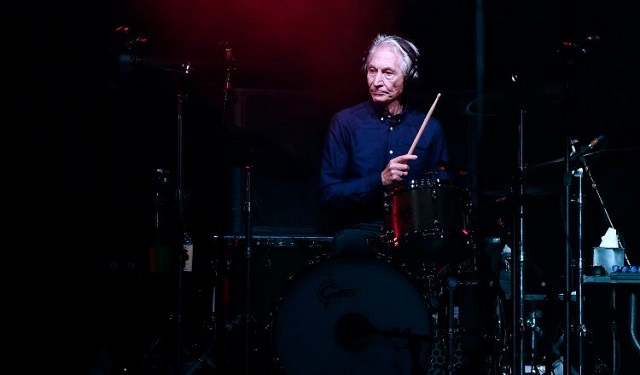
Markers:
<point>366,151</point>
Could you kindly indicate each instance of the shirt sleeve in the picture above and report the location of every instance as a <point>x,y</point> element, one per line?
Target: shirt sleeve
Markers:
<point>337,189</point>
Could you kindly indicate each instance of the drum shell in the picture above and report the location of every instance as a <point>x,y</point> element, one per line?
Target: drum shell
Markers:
<point>275,260</point>
<point>355,312</point>
<point>437,208</point>
<point>428,220</point>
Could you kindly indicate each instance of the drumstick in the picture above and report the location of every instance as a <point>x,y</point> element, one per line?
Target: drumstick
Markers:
<point>424,124</point>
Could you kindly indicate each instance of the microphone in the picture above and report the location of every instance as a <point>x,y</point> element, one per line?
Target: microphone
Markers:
<point>577,155</point>
<point>229,59</point>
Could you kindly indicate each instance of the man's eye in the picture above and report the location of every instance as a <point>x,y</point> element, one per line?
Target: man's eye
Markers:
<point>386,74</point>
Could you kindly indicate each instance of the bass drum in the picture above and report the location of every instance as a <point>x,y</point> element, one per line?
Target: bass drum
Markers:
<point>352,316</point>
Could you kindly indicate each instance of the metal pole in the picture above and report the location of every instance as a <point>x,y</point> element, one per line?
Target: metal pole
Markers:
<point>518,267</point>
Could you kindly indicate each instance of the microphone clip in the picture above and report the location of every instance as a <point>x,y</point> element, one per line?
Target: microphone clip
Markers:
<point>578,155</point>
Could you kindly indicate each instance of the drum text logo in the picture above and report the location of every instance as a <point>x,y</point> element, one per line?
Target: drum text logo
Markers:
<point>329,292</point>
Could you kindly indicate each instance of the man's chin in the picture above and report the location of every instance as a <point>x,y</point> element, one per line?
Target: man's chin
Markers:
<point>380,99</point>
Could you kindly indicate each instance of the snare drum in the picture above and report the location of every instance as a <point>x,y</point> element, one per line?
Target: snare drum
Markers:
<point>431,218</point>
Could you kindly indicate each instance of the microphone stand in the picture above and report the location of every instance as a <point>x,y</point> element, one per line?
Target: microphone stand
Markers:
<point>581,327</point>
<point>578,173</point>
<point>566,361</point>
<point>594,186</point>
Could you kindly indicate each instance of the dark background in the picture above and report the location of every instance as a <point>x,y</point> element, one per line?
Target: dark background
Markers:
<point>108,100</point>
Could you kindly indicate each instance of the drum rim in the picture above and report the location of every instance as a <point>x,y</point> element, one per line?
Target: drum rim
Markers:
<point>424,183</point>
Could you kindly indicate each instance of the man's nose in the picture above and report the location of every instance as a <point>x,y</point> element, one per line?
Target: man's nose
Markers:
<point>378,80</point>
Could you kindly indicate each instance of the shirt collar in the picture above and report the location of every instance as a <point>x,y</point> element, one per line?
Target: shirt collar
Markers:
<point>384,115</point>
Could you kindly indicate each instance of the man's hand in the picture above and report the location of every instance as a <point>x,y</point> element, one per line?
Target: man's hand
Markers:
<point>397,169</point>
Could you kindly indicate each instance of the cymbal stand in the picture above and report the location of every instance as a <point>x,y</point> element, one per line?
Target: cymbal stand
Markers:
<point>517,280</point>
<point>246,318</point>
<point>571,56</point>
<point>182,242</point>
<point>247,209</point>
<point>581,328</point>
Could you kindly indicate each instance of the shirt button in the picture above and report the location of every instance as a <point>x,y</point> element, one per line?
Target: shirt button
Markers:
<point>391,128</point>
<point>390,152</point>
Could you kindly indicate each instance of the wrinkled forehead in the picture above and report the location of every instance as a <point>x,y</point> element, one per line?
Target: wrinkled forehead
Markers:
<point>385,56</point>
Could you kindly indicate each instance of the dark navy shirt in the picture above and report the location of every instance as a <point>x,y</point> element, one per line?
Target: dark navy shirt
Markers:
<point>360,142</point>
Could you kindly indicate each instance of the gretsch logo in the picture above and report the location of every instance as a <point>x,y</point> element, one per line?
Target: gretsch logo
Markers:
<point>329,292</point>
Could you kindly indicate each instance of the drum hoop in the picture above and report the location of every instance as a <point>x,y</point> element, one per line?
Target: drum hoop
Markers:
<point>424,184</point>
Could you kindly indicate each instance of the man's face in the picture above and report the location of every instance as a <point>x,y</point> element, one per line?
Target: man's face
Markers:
<point>384,76</point>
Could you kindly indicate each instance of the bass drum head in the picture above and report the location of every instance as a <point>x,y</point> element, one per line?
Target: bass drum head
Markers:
<point>352,316</point>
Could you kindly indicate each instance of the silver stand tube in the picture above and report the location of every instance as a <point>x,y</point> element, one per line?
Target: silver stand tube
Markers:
<point>518,264</point>
<point>581,329</point>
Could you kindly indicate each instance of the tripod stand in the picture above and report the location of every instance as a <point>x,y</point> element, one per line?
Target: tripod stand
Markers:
<point>173,236</point>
